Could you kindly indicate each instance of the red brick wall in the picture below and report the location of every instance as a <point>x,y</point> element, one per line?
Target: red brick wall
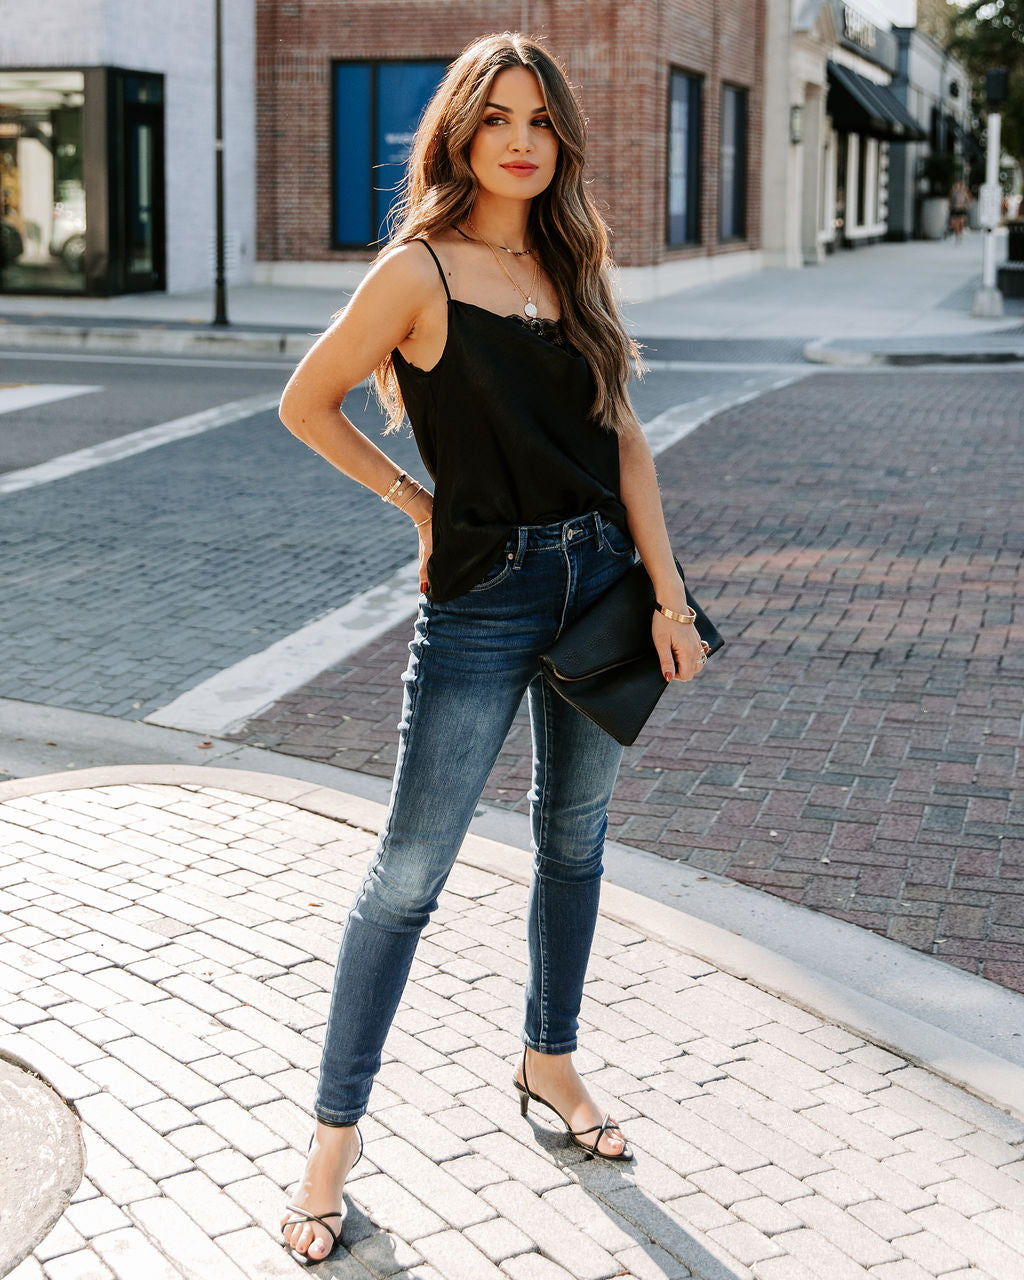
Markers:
<point>618,53</point>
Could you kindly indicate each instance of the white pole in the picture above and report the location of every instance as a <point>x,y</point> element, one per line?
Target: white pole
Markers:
<point>991,180</point>
<point>988,301</point>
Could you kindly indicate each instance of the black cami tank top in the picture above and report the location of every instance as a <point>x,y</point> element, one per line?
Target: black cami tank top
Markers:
<point>503,424</point>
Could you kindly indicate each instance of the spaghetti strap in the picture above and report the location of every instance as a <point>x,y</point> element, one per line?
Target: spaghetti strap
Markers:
<point>440,269</point>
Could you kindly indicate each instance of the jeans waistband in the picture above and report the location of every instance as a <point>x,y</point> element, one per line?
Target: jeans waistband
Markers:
<point>556,537</point>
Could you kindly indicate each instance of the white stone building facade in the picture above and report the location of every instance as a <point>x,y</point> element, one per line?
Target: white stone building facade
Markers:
<point>107,144</point>
<point>833,120</point>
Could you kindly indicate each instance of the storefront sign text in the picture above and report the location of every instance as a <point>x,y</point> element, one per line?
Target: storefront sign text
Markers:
<point>857,28</point>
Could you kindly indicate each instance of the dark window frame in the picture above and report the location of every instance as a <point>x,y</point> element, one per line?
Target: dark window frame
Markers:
<point>740,168</point>
<point>695,82</point>
<point>373,65</point>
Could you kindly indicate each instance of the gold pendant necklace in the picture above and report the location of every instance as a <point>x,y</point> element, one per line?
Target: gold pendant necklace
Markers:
<point>516,253</point>
<point>529,306</point>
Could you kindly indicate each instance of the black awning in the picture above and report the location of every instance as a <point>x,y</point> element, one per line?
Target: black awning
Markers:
<point>861,106</point>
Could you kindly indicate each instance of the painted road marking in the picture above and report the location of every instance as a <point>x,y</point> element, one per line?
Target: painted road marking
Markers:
<point>27,395</point>
<point>232,697</point>
<point>718,366</point>
<point>674,424</point>
<point>197,362</point>
<point>97,455</point>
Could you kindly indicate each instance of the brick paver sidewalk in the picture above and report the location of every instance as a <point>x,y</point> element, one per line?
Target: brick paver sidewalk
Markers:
<point>165,958</point>
<point>855,749</point>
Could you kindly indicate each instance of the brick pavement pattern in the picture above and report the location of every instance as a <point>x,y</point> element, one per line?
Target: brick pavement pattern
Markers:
<point>166,957</point>
<point>855,748</point>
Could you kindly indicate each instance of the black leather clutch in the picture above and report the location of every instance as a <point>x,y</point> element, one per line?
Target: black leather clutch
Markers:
<point>605,663</point>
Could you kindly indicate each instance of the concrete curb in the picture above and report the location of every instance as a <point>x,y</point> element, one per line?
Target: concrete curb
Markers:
<point>983,1074</point>
<point>820,351</point>
<point>158,340</point>
<point>153,340</point>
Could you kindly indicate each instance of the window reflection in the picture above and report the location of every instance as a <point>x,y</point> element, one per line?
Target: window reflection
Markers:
<point>42,196</point>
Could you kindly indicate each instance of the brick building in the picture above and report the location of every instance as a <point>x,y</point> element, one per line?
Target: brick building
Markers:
<point>673,92</point>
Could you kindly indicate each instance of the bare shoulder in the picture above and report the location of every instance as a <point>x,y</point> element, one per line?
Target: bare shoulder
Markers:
<point>408,270</point>
<point>399,289</point>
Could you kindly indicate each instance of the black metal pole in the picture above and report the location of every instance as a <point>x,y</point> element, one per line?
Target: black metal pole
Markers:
<point>220,287</point>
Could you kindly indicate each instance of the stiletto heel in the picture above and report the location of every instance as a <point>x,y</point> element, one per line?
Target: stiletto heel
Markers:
<point>303,1215</point>
<point>526,1093</point>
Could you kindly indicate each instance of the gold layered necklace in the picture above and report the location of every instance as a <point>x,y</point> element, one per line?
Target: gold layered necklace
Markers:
<point>529,306</point>
<point>516,253</point>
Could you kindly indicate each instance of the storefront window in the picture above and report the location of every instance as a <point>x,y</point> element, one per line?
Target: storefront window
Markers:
<point>377,107</point>
<point>42,194</point>
<point>684,158</point>
<point>733,206</point>
<point>862,182</point>
<point>842,181</point>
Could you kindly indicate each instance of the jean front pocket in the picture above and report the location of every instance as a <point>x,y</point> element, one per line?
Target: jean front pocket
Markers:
<point>617,542</point>
<point>496,574</point>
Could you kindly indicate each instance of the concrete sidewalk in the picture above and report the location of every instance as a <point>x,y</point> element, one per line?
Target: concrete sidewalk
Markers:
<point>167,936</point>
<point>887,295</point>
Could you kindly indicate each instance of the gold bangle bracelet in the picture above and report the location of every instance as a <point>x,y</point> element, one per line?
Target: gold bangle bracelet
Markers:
<point>417,488</point>
<point>689,616</point>
<point>396,484</point>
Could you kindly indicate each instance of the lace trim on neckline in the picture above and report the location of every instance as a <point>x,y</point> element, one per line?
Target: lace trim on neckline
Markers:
<point>550,330</point>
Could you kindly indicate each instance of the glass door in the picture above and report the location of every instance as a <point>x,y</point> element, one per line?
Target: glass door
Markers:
<point>141,247</point>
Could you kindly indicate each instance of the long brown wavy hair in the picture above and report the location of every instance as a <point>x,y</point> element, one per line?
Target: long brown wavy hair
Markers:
<point>564,224</point>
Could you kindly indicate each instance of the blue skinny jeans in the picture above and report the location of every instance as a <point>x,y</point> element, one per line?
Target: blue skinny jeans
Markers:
<point>471,661</point>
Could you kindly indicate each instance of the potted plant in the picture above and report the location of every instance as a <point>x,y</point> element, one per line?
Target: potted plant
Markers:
<point>937,171</point>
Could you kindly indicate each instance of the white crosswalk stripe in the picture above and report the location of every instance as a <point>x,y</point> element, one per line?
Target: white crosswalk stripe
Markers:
<point>27,395</point>
<point>135,442</point>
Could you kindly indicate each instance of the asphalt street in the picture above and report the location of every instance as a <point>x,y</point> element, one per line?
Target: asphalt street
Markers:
<point>132,392</point>
<point>129,583</point>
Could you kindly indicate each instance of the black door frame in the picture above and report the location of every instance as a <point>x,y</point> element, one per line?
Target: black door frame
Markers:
<point>121,115</point>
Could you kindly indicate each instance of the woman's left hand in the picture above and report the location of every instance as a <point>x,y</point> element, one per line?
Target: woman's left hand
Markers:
<point>680,649</point>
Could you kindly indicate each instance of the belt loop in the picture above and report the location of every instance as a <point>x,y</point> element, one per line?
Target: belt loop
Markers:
<point>521,547</point>
<point>599,528</point>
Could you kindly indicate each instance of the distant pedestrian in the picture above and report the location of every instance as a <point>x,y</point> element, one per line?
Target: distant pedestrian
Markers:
<point>959,203</point>
<point>490,319</point>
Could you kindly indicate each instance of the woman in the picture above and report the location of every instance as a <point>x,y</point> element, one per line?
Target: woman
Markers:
<point>959,203</point>
<point>490,319</point>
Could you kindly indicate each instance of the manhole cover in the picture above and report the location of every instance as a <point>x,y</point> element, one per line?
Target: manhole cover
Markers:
<point>42,1159</point>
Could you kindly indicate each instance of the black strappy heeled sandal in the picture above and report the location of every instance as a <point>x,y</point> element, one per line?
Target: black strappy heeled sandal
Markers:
<point>526,1093</point>
<point>303,1215</point>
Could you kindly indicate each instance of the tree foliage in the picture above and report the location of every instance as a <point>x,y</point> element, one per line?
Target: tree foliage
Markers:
<point>935,18</point>
<point>987,34</point>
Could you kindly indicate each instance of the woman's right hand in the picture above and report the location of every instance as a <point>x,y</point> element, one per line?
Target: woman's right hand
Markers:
<point>425,532</point>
